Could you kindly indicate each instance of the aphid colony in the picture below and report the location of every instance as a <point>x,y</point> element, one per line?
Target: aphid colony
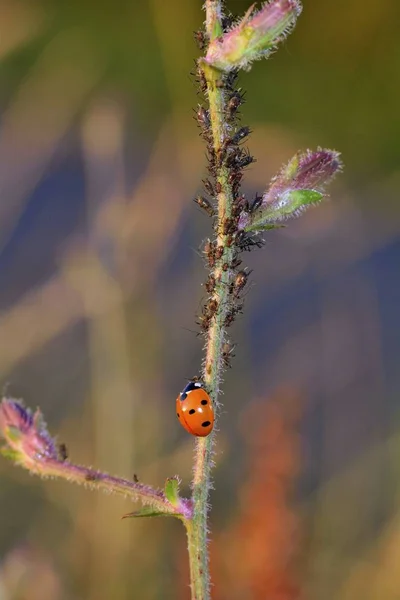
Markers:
<point>194,406</point>
<point>234,158</point>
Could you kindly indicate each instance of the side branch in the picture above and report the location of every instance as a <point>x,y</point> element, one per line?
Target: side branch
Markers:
<point>29,445</point>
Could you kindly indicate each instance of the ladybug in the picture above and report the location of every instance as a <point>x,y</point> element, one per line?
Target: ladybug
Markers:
<point>194,409</point>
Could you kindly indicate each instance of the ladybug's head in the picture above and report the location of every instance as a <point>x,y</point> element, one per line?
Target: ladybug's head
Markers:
<point>192,385</point>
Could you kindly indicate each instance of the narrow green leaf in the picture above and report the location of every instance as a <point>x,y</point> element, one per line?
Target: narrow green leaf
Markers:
<point>149,511</point>
<point>290,204</point>
<point>171,490</point>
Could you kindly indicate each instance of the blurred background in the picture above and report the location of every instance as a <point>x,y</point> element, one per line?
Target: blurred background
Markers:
<point>100,280</point>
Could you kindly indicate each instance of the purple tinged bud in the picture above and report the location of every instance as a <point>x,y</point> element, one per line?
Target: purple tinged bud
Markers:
<point>25,433</point>
<point>300,184</point>
<point>255,36</point>
<point>306,170</point>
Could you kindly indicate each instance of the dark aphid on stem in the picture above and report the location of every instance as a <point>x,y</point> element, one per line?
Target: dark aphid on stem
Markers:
<point>219,250</point>
<point>233,104</point>
<point>210,284</point>
<point>205,205</point>
<point>135,478</point>
<point>231,315</point>
<point>204,323</point>
<point>256,203</point>
<point>222,152</point>
<point>218,187</point>
<point>208,186</point>
<point>203,118</point>
<point>229,225</point>
<point>231,79</point>
<point>239,282</point>
<point>240,204</point>
<point>240,135</point>
<point>244,160</point>
<point>62,451</point>
<point>234,157</point>
<point>227,353</point>
<point>210,308</point>
<point>212,162</point>
<point>209,251</point>
<point>200,39</point>
<point>201,80</point>
<point>236,262</point>
<point>227,21</point>
<point>229,319</point>
<point>234,180</point>
<point>247,242</point>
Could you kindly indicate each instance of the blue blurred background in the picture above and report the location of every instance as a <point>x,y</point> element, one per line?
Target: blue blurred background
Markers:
<point>100,279</point>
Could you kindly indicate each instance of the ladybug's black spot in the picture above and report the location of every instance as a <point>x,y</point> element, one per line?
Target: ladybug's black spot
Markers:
<point>191,411</point>
<point>177,414</point>
<point>203,402</point>
<point>205,423</point>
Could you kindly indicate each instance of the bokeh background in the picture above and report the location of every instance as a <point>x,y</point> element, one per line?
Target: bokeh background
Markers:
<point>100,279</point>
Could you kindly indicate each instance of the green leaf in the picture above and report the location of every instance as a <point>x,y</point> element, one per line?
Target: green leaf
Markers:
<point>290,204</point>
<point>10,454</point>
<point>171,490</point>
<point>149,511</point>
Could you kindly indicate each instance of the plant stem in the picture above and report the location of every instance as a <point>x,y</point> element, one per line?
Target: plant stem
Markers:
<point>94,479</point>
<point>197,530</point>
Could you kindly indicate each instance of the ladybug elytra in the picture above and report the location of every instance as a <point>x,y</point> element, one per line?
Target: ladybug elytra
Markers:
<point>194,409</point>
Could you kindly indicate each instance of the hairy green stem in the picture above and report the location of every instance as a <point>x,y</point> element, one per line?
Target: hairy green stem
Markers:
<point>197,530</point>
<point>95,480</point>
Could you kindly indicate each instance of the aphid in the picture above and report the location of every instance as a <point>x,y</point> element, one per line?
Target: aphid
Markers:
<point>203,117</point>
<point>205,205</point>
<point>204,322</point>
<point>218,187</point>
<point>210,308</point>
<point>233,158</point>
<point>244,160</point>
<point>227,353</point>
<point>227,21</point>
<point>202,81</point>
<point>135,478</point>
<point>229,225</point>
<point>212,162</point>
<point>236,263</point>
<point>229,319</point>
<point>233,104</point>
<point>62,451</point>
<point>209,251</point>
<point>208,186</point>
<point>210,284</point>
<point>240,135</point>
<point>200,39</point>
<point>194,409</point>
<point>235,177</point>
<point>239,282</point>
<point>256,203</point>
<point>219,252</point>
<point>246,242</point>
<point>222,152</point>
<point>231,79</point>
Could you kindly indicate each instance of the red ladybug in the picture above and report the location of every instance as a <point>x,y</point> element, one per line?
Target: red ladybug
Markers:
<point>194,409</point>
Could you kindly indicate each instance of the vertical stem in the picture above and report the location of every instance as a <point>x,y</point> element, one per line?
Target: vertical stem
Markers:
<point>197,529</point>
